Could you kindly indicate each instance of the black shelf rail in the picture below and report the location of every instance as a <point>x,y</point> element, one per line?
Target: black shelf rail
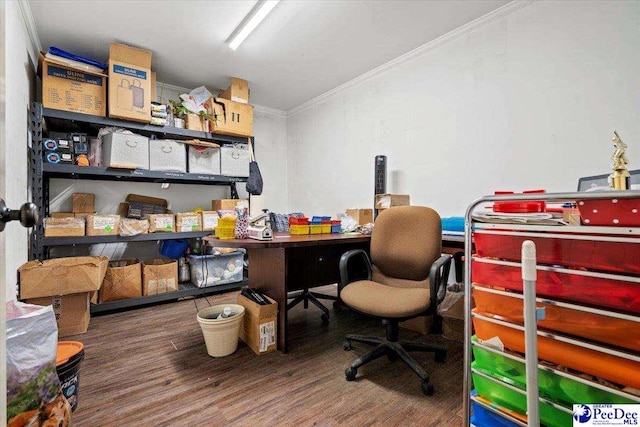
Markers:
<point>186,290</point>
<point>92,240</point>
<point>140,175</point>
<point>64,117</point>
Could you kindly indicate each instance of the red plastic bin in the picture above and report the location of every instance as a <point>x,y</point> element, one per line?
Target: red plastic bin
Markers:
<point>585,287</point>
<point>602,326</point>
<point>594,252</point>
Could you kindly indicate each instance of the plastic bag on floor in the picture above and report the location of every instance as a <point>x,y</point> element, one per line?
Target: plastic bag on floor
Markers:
<point>34,396</point>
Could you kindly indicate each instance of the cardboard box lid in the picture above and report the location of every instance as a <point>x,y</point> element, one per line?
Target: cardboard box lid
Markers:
<point>43,59</point>
<point>146,199</point>
<point>198,143</point>
<point>129,54</point>
<point>62,276</point>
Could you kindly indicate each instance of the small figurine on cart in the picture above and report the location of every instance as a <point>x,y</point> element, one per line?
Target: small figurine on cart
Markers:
<point>619,178</point>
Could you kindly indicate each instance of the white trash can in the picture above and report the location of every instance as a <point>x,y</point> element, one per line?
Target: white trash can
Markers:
<point>221,335</point>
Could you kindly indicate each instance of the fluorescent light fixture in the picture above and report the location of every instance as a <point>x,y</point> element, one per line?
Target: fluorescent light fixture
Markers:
<point>251,21</point>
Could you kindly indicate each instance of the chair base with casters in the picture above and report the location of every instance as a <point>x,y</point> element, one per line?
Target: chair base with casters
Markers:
<point>393,348</point>
<point>305,296</point>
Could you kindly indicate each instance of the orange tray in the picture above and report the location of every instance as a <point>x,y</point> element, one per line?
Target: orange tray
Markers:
<point>597,325</point>
<point>584,287</point>
<point>615,366</point>
<point>618,254</point>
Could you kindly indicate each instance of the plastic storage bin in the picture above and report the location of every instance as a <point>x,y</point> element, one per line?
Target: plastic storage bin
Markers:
<point>616,366</point>
<point>555,385</point>
<point>515,399</point>
<point>483,417</point>
<point>585,287</point>
<point>602,326</point>
<point>212,270</point>
<point>593,252</point>
<point>298,229</point>
<point>315,228</point>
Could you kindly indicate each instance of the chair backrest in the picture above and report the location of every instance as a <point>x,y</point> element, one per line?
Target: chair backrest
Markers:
<point>405,242</point>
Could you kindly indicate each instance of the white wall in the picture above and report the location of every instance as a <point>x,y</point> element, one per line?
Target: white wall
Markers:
<point>528,100</point>
<point>20,90</point>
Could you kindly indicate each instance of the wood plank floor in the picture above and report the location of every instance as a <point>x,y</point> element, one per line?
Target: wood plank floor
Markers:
<point>149,367</point>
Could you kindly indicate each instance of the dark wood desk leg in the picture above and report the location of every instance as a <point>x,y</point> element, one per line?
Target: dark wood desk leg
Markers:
<point>268,273</point>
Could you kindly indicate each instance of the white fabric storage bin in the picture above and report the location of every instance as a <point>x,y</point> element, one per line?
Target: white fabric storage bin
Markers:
<point>167,155</point>
<point>234,160</point>
<point>125,151</point>
<point>204,160</point>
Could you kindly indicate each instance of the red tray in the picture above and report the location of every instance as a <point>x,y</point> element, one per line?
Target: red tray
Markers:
<point>601,252</point>
<point>597,289</point>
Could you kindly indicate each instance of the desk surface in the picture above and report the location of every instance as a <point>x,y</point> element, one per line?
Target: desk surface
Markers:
<point>286,240</point>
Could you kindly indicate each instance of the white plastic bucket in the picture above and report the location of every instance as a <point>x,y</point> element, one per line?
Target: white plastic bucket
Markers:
<point>221,335</point>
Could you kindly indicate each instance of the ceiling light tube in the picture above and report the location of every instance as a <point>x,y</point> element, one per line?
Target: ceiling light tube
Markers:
<point>251,21</point>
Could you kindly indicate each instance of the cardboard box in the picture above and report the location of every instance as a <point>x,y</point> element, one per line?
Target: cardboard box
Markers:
<point>139,206</point>
<point>129,83</point>
<point>159,276</point>
<point>103,225</point>
<point>154,88</point>
<point>259,328</point>
<point>231,118</point>
<point>83,202</point>
<point>195,122</point>
<point>62,215</point>
<point>83,215</point>
<point>70,89</point>
<point>452,311</point>
<point>63,227</point>
<point>123,280</point>
<point>234,160</point>
<point>225,204</point>
<point>133,227</point>
<point>209,220</point>
<point>238,91</point>
<point>420,324</point>
<point>61,276</point>
<point>385,201</point>
<point>71,311</point>
<point>362,216</point>
<point>162,223</point>
<point>125,151</point>
<point>167,155</point>
<point>187,222</point>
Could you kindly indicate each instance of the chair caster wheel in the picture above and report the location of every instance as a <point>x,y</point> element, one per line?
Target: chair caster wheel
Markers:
<point>325,319</point>
<point>440,356</point>
<point>346,345</point>
<point>427,388</point>
<point>350,373</point>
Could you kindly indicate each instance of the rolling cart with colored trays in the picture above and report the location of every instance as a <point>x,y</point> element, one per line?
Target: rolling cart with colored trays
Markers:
<point>587,280</point>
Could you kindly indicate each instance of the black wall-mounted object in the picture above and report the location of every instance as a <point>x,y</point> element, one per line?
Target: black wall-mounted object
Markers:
<point>27,215</point>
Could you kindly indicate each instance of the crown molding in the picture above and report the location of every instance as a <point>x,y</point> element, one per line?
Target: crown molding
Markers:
<point>270,111</point>
<point>30,24</point>
<point>425,49</point>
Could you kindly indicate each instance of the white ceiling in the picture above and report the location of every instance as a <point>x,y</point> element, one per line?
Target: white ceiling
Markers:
<point>303,49</point>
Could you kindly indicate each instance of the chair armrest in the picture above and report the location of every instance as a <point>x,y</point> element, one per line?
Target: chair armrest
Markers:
<point>438,276</point>
<point>347,257</point>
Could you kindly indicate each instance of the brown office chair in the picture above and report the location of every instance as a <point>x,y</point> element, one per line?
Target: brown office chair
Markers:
<point>406,277</point>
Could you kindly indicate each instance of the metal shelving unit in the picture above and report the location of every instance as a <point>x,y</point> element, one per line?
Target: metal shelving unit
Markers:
<point>41,172</point>
<point>593,235</point>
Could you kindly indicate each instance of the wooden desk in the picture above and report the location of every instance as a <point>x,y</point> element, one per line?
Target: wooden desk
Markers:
<point>289,263</point>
